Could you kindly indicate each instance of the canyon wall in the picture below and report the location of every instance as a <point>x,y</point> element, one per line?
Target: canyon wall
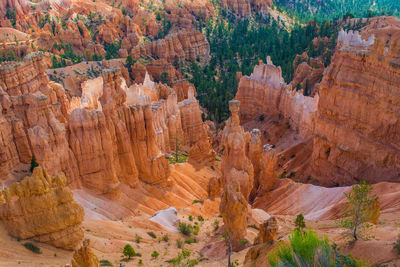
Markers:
<point>264,92</point>
<point>357,132</point>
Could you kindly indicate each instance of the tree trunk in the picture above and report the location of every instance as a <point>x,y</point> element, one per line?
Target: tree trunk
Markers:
<point>355,232</point>
<point>229,251</point>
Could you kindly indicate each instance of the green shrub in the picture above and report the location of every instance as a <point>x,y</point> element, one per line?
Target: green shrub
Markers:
<point>165,238</point>
<point>196,201</point>
<point>140,262</point>
<point>155,254</point>
<point>191,240</point>
<point>129,251</point>
<point>216,225</point>
<point>152,234</point>
<point>299,223</point>
<point>200,218</point>
<point>34,164</point>
<point>138,238</point>
<point>32,247</point>
<point>397,245</point>
<point>191,218</point>
<point>179,243</point>
<point>244,241</point>
<point>196,229</point>
<point>185,228</point>
<point>105,263</point>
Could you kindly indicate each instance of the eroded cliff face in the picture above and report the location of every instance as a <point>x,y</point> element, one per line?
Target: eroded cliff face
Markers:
<point>109,135</point>
<point>33,118</point>
<point>237,177</point>
<point>247,7</point>
<point>42,207</point>
<point>357,129</point>
<point>265,93</point>
<point>236,166</point>
<point>185,44</point>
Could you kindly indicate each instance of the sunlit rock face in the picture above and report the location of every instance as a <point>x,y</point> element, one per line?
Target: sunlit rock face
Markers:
<point>236,166</point>
<point>42,207</point>
<point>358,125</point>
<point>34,112</point>
<point>110,135</point>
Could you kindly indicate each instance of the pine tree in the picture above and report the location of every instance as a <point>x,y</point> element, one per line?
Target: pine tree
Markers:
<point>363,207</point>
<point>34,164</point>
<point>129,251</point>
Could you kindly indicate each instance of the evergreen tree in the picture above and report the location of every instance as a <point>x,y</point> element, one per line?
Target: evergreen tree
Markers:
<point>362,207</point>
<point>129,251</point>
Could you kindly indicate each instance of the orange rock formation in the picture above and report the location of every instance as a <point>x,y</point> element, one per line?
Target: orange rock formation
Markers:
<point>84,257</point>
<point>357,130</point>
<point>181,45</point>
<point>42,207</point>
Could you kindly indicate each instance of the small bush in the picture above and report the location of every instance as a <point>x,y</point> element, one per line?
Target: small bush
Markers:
<point>185,228</point>
<point>138,238</point>
<point>196,201</point>
<point>155,254</point>
<point>32,247</point>
<point>129,251</point>
<point>152,234</point>
<point>140,262</point>
<point>244,241</point>
<point>105,263</point>
<point>216,225</point>
<point>200,218</point>
<point>397,245</point>
<point>299,223</point>
<point>196,229</point>
<point>165,238</point>
<point>179,243</point>
<point>191,240</point>
<point>34,164</point>
<point>191,218</point>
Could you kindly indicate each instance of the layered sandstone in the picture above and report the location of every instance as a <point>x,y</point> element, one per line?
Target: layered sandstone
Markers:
<point>308,73</point>
<point>194,130</point>
<point>233,209</point>
<point>247,7</point>
<point>260,92</point>
<point>357,129</point>
<point>237,177</point>
<point>109,135</point>
<point>42,207</point>
<point>34,108</point>
<point>265,93</point>
<point>181,45</point>
<point>236,166</point>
